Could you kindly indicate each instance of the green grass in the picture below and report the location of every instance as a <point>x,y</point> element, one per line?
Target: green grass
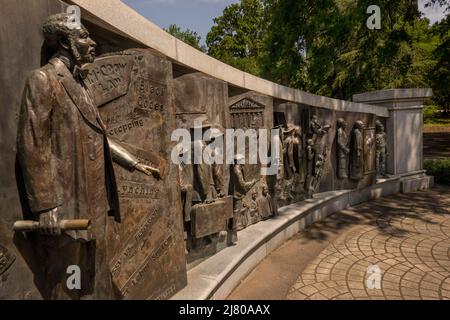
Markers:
<point>440,169</point>
<point>433,116</point>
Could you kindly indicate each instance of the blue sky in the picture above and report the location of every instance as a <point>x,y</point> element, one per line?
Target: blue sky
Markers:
<point>198,15</point>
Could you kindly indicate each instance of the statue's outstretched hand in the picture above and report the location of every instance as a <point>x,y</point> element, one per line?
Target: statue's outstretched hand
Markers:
<point>149,170</point>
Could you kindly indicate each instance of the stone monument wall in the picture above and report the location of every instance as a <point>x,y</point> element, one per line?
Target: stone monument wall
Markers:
<point>145,84</point>
<point>143,223</point>
<point>134,90</point>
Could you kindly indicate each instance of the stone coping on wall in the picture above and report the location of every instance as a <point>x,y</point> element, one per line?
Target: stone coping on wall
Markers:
<point>216,277</point>
<point>116,16</point>
<point>396,99</point>
<point>382,96</point>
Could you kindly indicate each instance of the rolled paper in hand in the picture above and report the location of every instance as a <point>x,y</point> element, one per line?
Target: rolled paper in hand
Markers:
<point>72,225</point>
<point>65,225</point>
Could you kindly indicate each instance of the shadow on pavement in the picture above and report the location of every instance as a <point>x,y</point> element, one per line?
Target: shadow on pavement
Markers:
<point>380,213</point>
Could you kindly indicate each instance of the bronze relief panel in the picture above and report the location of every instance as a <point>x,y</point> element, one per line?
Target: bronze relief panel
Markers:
<point>146,250</point>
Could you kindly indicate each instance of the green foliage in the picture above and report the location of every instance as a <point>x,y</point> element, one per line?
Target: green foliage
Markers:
<point>343,56</point>
<point>237,36</point>
<point>325,47</point>
<point>430,113</point>
<point>297,39</point>
<point>188,36</point>
<point>440,74</point>
<point>440,169</point>
<point>433,115</point>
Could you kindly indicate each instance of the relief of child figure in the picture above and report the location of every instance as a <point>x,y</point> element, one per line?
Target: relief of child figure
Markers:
<point>254,216</point>
<point>264,203</point>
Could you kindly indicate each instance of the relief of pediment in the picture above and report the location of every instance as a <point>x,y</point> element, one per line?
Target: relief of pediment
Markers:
<point>247,104</point>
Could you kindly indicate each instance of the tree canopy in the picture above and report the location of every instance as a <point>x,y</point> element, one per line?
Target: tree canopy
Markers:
<point>439,75</point>
<point>237,36</point>
<point>325,47</point>
<point>188,36</point>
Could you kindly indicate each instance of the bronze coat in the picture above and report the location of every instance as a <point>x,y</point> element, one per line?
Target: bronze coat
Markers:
<point>357,159</point>
<point>63,150</point>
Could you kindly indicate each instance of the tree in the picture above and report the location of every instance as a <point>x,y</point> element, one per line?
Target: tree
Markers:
<point>325,46</point>
<point>188,36</point>
<point>236,37</point>
<point>292,27</point>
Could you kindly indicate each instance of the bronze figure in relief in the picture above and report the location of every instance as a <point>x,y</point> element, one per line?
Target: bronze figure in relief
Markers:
<point>381,149</point>
<point>66,161</point>
<point>357,150</point>
<point>343,149</point>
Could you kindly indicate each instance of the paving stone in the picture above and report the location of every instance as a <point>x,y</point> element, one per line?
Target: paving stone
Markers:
<point>320,277</point>
<point>307,276</point>
<point>391,293</point>
<point>318,296</point>
<point>320,286</point>
<point>409,284</point>
<point>429,293</point>
<point>308,290</point>
<point>412,277</point>
<point>359,293</point>
<point>394,297</point>
<point>297,296</point>
<point>308,282</point>
<point>330,293</point>
<point>331,284</point>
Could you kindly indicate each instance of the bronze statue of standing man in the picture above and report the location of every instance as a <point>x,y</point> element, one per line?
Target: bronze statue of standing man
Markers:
<point>381,149</point>
<point>357,159</point>
<point>343,150</point>
<point>66,162</point>
<point>239,186</point>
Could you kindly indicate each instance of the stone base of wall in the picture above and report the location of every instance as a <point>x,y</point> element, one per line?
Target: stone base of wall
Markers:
<point>416,182</point>
<point>216,277</point>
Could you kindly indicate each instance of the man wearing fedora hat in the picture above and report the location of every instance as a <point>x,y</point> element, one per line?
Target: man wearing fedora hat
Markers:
<point>203,175</point>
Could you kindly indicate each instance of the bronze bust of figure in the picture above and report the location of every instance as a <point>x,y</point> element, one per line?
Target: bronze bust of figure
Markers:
<point>66,161</point>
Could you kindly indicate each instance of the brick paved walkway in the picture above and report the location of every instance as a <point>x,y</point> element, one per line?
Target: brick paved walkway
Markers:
<point>406,236</point>
<point>409,240</point>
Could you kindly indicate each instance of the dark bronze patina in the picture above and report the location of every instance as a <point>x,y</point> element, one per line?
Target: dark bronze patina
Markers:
<point>357,152</point>
<point>381,149</point>
<point>66,160</point>
<point>6,259</point>
<point>343,149</point>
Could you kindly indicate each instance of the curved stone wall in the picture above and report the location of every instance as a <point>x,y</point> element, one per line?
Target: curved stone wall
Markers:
<point>196,85</point>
